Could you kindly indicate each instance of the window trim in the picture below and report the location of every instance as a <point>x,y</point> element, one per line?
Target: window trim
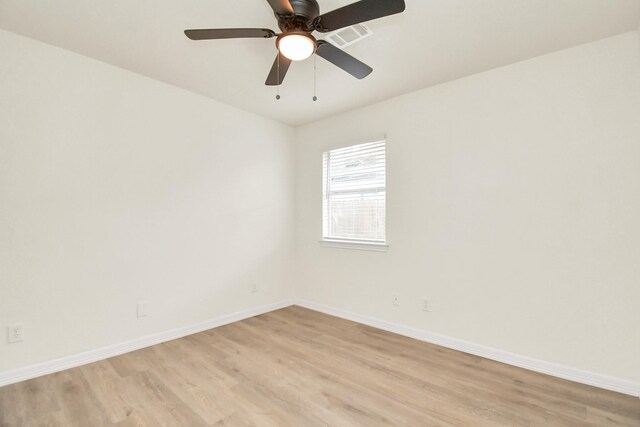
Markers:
<point>355,244</point>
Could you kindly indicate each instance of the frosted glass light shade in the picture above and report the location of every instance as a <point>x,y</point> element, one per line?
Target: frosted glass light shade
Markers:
<point>296,47</point>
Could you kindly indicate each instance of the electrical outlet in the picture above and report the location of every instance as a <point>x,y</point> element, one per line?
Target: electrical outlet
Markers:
<point>15,333</point>
<point>142,309</point>
<point>396,300</point>
<point>254,287</point>
<point>426,305</point>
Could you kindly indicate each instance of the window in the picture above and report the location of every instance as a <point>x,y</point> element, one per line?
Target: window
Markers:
<point>354,194</point>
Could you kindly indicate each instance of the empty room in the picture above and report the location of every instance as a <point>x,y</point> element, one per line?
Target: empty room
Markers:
<point>319,213</point>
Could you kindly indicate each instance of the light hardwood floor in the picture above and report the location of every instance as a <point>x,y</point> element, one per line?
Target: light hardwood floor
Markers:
<point>296,367</point>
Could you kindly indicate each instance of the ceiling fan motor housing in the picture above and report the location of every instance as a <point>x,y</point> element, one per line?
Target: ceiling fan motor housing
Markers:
<point>305,12</point>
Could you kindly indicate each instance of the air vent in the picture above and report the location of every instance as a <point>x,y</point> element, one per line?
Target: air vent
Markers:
<point>348,36</point>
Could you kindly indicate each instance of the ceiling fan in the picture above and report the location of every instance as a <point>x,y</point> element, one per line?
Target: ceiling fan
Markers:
<point>297,19</point>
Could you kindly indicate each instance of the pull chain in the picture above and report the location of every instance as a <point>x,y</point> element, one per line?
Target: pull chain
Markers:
<point>278,82</point>
<point>315,77</point>
<point>315,73</point>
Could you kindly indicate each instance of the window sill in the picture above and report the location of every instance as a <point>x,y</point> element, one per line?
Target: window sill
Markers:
<point>360,246</point>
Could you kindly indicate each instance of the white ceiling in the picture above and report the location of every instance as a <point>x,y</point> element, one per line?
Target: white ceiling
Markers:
<point>432,42</point>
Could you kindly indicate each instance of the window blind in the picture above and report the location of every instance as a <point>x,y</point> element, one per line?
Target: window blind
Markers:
<point>354,190</point>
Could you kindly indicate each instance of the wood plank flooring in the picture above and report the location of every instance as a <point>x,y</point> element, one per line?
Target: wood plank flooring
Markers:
<point>296,367</point>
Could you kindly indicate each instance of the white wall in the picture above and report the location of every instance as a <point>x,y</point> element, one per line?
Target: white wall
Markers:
<point>513,205</point>
<point>115,188</point>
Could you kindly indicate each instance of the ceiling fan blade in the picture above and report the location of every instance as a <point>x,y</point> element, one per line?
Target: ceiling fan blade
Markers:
<point>342,59</point>
<point>277,77</point>
<point>281,7</point>
<point>355,13</point>
<point>230,33</point>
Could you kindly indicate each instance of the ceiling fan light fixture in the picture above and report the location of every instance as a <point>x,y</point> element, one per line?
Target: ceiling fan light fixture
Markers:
<point>296,46</point>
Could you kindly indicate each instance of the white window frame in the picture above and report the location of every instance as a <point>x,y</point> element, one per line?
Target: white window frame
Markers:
<point>357,244</point>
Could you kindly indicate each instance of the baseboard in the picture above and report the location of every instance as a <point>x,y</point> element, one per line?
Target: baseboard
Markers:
<point>72,361</point>
<point>572,374</point>
<point>560,371</point>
